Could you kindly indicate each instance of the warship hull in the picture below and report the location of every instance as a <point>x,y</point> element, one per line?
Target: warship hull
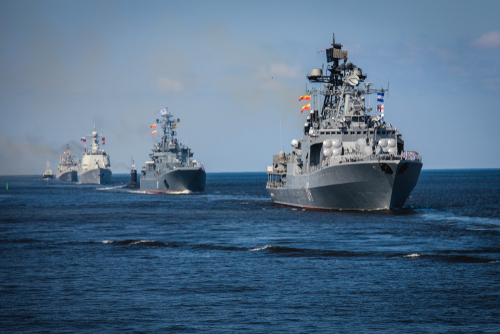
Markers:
<point>351,186</point>
<point>179,180</point>
<point>68,176</point>
<point>94,176</point>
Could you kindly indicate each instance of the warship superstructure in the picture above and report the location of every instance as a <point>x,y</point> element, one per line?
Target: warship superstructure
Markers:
<point>48,172</point>
<point>95,167</point>
<point>68,168</point>
<point>171,169</point>
<point>347,159</point>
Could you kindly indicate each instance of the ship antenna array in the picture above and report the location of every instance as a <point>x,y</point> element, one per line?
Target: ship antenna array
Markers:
<point>281,138</point>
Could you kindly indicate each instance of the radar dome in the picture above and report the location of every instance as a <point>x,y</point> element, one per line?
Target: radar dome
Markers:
<point>336,143</point>
<point>327,152</point>
<point>382,142</point>
<point>391,142</point>
<point>337,151</point>
<point>361,142</point>
<point>327,143</point>
<point>316,72</point>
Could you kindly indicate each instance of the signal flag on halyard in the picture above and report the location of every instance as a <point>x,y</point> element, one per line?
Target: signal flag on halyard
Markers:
<point>152,126</point>
<point>103,140</point>
<point>153,133</point>
<point>380,108</point>
<point>305,97</point>
<point>83,139</point>
<point>306,107</point>
<point>175,126</point>
<point>380,97</point>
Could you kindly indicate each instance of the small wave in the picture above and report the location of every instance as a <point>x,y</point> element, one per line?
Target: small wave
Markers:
<point>218,247</point>
<point>449,217</point>
<point>494,262</point>
<point>139,243</point>
<point>110,188</point>
<point>466,259</point>
<point>290,251</point>
<point>149,243</point>
<point>259,248</point>
<point>414,255</point>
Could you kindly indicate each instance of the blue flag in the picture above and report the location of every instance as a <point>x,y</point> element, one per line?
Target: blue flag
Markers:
<point>380,97</point>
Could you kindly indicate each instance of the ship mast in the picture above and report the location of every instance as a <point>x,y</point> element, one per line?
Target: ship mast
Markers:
<point>168,124</point>
<point>342,95</point>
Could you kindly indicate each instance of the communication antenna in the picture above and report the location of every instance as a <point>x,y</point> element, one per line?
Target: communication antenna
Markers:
<point>281,138</point>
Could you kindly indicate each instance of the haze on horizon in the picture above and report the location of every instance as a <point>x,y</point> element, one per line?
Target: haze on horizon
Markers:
<point>233,71</point>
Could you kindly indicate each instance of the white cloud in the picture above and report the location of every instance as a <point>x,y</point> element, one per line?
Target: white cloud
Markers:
<point>166,85</point>
<point>281,70</point>
<point>492,83</point>
<point>490,40</point>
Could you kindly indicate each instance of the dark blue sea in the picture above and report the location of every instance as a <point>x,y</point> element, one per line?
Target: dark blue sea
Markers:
<point>94,259</point>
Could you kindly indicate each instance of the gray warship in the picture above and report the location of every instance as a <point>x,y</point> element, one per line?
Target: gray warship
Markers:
<point>347,159</point>
<point>95,167</point>
<point>68,168</point>
<point>170,169</point>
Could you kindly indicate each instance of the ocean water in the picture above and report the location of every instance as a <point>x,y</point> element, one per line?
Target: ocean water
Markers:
<point>81,258</point>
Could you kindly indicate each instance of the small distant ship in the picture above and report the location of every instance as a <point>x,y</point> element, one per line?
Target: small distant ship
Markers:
<point>171,170</point>
<point>48,173</point>
<point>347,159</point>
<point>95,167</point>
<point>68,168</point>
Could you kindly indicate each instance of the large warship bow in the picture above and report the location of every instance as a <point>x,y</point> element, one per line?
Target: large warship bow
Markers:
<point>171,169</point>
<point>95,167</point>
<point>68,168</point>
<point>347,158</point>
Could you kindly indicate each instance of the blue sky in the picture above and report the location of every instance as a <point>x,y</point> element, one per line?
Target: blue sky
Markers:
<point>65,65</point>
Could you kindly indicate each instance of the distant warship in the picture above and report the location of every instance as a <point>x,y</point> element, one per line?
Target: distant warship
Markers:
<point>347,159</point>
<point>67,169</point>
<point>170,169</point>
<point>95,167</point>
<point>48,172</point>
